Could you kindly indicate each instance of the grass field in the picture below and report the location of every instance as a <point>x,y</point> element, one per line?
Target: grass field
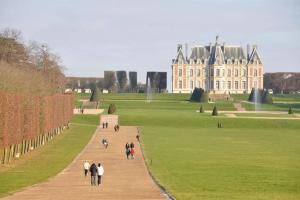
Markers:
<point>47,161</point>
<point>193,159</point>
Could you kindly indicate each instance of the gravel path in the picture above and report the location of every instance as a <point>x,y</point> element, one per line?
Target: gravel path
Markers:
<point>123,179</point>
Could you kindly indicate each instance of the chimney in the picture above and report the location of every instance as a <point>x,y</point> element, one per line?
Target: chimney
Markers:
<point>186,50</point>
<point>217,39</point>
<point>249,49</point>
<point>179,47</point>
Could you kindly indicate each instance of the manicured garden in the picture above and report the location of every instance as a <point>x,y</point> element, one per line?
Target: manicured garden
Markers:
<point>193,159</point>
<point>47,161</point>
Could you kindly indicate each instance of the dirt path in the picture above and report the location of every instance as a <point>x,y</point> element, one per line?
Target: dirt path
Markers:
<point>123,179</point>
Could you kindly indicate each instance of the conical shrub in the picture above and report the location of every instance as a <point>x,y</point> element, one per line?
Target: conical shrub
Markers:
<point>215,111</point>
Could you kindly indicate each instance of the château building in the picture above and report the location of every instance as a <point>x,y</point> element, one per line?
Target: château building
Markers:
<point>218,69</point>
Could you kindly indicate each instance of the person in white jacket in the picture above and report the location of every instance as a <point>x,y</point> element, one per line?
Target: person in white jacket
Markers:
<point>100,173</point>
<point>86,167</point>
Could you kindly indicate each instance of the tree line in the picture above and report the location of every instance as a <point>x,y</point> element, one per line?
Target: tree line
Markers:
<point>31,68</point>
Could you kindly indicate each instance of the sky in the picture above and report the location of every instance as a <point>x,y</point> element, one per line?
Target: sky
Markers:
<point>142,35</point>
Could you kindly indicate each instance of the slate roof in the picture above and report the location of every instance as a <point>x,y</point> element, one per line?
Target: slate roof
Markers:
<point>220,54</point>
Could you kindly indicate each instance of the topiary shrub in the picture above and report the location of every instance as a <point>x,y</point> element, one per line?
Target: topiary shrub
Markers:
<point>112,109</point>
<point>215,111</point>
<point>95,97</point>
<point>263,96</point>
<point>267,99</point>
<point>201,109</point>
<point>251,96</point>
<point>199,95</point>
<point>290,110</point>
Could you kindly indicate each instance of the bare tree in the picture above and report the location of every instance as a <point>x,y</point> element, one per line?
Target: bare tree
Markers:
<point>109,80</point>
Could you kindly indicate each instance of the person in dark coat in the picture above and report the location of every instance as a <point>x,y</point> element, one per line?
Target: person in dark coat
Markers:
<point>94,174</point>
<point>131,145</point>
<point>106,125</point>
<point>127,150</point>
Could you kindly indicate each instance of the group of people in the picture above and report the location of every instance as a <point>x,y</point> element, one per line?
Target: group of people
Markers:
<point>95,171</point>
<point>105,143</point>
<point>129,150</point>
<point>220,125</point>
<point>117,128</point>
<point>105,125</point>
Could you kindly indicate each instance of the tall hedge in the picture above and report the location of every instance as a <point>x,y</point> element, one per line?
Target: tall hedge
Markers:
<point>24,117</point>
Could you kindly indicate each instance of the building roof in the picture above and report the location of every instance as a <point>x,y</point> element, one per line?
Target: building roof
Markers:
<point>219,54</point>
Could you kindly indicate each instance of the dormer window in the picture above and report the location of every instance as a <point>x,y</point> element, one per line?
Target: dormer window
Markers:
<point>229,62</point>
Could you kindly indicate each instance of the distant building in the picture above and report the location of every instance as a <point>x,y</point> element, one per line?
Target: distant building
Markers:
<point>83,82</point>
<point>217,68</point>
<point>133,81</point>
<point>158,81</point>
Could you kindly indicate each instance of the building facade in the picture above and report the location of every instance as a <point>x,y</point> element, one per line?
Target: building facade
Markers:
<point>157,81</point>
<point>218,69</point>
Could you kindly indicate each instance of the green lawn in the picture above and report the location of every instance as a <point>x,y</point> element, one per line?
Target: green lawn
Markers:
<point>50,159</point>
<point>274,107</point>
<point>193,159</point>
<point>264,115</point>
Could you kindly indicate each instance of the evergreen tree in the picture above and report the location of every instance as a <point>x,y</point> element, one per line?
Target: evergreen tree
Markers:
<point>215,111</point>
<point>267,99</point>
<point>251,96</point>
<point>290,110</point>
<point>112,109</point>
<point>95,97</point>
<point>201,109</point>
<point>199,95</point>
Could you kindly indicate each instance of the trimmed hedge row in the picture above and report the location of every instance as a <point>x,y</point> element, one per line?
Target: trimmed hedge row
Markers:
<point>27,118</point>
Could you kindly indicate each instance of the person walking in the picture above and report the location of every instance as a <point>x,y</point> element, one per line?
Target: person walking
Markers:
<point>127,150</point>
<point>86,167</point>
<point>131,145</point>
<point>106,124</point>
<point>132,153</point>
<point>100,173</point>
<point>94,173</point>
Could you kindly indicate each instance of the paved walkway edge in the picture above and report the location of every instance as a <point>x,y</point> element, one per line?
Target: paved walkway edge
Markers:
<point>163,190</point>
